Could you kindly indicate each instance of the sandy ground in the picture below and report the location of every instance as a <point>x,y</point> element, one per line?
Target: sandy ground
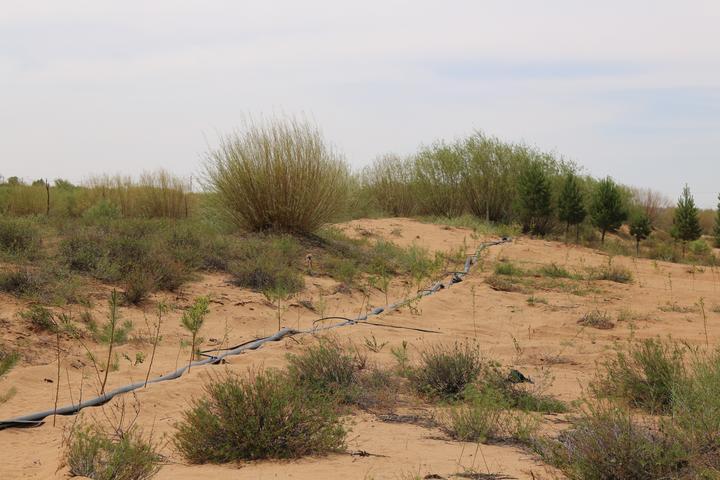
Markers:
<point>544,341</point>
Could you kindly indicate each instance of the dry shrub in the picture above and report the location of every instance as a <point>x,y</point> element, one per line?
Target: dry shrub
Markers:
<point>280,175</point>
<point>597,319</point>
<point>445,371</point>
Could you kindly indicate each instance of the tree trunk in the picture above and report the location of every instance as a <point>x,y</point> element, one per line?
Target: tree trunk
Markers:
<point>602,240</point>
<point>567,229</point>
<point>637,248</point>
<point>47,189</point>
<point>577,233</point>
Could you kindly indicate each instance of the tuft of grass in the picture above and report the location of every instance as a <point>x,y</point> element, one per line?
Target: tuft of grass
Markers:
<point>39,318</point>
<point>95,454</point>
<point>533,300</point>
<point>612,273</point>
<point>645,374</point>
<point>268,263</point>
<point>508,268</point>
<point>7,361</point>
<point>445,371</point>
<point>506,283</point>
<point>261,416</point>
<point>553,270</point>
<point>597,319</point>
<point>479,420</point>
<point>280,175</point>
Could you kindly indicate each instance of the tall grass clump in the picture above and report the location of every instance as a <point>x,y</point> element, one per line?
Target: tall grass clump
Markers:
<point>391,183</point>
<point>260,416</point>
<point>280,175</point>
<point>645,374</point>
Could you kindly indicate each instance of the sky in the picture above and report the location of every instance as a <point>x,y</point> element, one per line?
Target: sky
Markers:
<point>629,89</point>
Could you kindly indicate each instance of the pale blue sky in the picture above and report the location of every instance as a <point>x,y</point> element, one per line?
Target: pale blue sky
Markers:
<point>629,89</point>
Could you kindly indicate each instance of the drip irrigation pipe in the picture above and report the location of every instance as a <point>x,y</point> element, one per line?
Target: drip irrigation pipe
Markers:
<point>37,418</point>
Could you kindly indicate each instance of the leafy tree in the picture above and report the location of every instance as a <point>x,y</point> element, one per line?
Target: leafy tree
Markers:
<point>686,225</point>
<point>193,319</point>
<point>640,228</point>
<point>716,230</point>
<point>534,204</point>
<point>607,208</point>
<point>571,208</point>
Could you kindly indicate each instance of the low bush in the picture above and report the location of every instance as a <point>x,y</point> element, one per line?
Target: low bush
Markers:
<point>553,270</point>
<point>95,454</point>
<point>607,443</point>
<point>327,368</point>
<point>445,371</point>
<point>479,420</point>
<point>261,416</point>
<point>19,237</point>
<point>268,263</point>
<point>8,360</point>
<point>646,374</point>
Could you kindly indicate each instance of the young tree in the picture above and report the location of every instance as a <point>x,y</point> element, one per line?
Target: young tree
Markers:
<point>607,208</point>
<point>640,228</point>
<point>534,204</point>
<point>571,208</point>
<point>193,319</point>
<point>686,225</point>
<point>716,230</point>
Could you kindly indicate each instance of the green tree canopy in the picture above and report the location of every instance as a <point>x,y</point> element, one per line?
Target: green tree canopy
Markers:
<point>607,208</point>
<point>640,228</point>
<point>534,202</point>
<point>686,225</point>
<point>716,230</point>
<point>571,205</point>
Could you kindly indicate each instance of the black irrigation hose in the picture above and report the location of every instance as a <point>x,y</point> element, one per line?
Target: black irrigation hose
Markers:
<point>36,419</point>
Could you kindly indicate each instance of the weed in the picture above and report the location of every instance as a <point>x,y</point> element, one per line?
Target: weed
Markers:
<point>612,273</point>
<point>192,321</point>
<point>508,268</point>
<point>554,271</point>
<point>533,300</point>
<point>19,237</point>
<point>373,345</point>
<point>40,318</point>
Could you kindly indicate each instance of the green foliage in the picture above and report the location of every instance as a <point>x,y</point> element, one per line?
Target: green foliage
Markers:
<point>267,263</point>
<point>192,321</point>
<point>645,374</point>
<point>612,273</point>
<point>553,270</point>
<point>326,369</point>
<point>686,224</point>
<point>445,371</point>
<point>95,454</point>
<point>278,176</point>
<point>534,199</point>
<point>508,268</point>
<point>607,208</point>
<point>479,420</point>
<point>571,203</point>
<point>262,416</point>
<point>8,360</point>
<point>640,228</point>
<point>103,211</point>
<point>19,237</point>
<point>40,318</point>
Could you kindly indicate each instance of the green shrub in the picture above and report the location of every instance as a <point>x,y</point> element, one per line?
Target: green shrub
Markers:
<point>326,369</point>
<point>268,263</point>
<point>606,443</point>
<point>507,268</point>
<point>19,237</point>
<point>262,416</point>
<point>699,248</point>
<point>40,318</point>
<point>479,420</point>
<point>646,374</point>
<point>8,360</point>
<point>95,454</point>
<point>102,211</point>
<point>278,176</point>
<point>553,270</point>
<point>445,371</point>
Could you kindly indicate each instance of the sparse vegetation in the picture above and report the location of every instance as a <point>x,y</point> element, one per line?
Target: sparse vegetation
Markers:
<point>596,319</point>
<point>445,371</point>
